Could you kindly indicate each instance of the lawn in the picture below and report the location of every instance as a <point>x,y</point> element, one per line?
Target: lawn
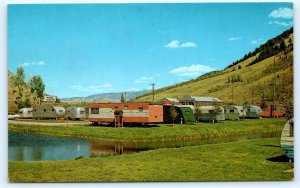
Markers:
<point>160,132</point>
<point>239,161</point>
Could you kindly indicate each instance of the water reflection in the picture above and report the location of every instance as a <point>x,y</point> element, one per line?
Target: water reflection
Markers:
<point>32,147</point>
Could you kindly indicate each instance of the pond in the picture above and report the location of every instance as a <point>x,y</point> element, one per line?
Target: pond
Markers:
<point>34,147</point>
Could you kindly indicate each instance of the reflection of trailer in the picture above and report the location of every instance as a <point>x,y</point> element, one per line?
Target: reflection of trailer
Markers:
<point>130,112</point>
<point>76,113</point>
<point>25,113</point>
<point>279,110</point>
<point>252,111</point>
<point>48,112</point>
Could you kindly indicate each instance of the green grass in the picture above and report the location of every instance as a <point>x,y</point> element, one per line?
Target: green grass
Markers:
<point>238,161</point>
<point>160,132</point>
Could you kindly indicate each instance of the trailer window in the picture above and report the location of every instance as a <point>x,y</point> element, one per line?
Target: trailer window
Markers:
<point>52,110</point>
<point>61,111</point>
<point>210,111</point>
<point>141,109</point>
<point>81,112</point>
<point>94,110</point>
<point>125,107</point>
<point>45,110</point>
<point>231,111</point>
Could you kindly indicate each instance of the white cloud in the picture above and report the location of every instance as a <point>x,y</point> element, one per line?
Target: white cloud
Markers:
<point>234,38</point>
<point>257,41</point>
<point>91,88</point>
<point>27,64</point>
<point>143,79</point>
<point>284,24</point>
<point>191,71</point>
<point>282,12</point>
<point>177,44</point>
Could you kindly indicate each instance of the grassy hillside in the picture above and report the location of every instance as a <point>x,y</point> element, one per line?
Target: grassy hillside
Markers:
<point>246,80</point>
<point>13,93</point>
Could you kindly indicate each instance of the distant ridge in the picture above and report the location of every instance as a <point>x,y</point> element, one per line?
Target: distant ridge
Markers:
<point>106,97</point>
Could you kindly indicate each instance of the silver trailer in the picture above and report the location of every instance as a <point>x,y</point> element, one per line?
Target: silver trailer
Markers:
<point>241,110</point>
<point>252,111</point>
<point>75,113</point>
<point>211,114</point>
<point>48,112</point>
<point>25,113</point>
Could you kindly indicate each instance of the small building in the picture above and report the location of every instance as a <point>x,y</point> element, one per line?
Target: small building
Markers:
<point>75,113</point>
<point>210,113</point>
<point>252,111</point>
<point>49,98</point>
<point>231,112</point>
<point>48,112</point>
<point>200,101</point>
<point>25,113</point>
<point>128,112</point>
<point>172,101</point>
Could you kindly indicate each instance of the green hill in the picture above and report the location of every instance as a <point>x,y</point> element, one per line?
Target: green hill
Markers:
<point>247,80</point>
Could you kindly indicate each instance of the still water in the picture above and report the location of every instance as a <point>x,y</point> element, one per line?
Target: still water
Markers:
<point>33,147</point>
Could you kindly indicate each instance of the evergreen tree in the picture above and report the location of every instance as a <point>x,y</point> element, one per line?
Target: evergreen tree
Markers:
<point>122,98</point>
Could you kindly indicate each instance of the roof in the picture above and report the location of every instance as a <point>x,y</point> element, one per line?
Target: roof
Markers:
<point>171,99</point>
<point>206,99</point>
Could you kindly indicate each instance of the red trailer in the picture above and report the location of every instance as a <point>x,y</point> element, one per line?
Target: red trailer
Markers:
<point>129,112</point>
<point>279,110</point>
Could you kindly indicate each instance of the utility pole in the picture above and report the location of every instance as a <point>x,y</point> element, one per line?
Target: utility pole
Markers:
<point>152,91</point>
<point>232,95</point>
<point>273,108</point>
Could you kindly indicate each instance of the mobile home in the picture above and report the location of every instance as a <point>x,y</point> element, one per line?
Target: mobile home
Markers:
<point>25,113</point>
<point>268,111</point>
<point>48,112</point>
<point>208,113</point>
<point>252,111</point>
<point>231,112</point>
<point>75,113</point>
<point>128,112</point>
<point>185,114</point>
<point>241,111</point>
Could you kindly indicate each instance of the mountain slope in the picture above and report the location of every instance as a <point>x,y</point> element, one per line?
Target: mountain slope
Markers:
<point>247,81</point>
<point>13,93</point>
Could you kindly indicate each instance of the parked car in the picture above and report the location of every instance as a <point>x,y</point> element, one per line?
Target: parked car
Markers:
<point>12,115</point>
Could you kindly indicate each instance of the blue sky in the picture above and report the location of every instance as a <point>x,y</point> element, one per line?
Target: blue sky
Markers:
<point>85,49</point>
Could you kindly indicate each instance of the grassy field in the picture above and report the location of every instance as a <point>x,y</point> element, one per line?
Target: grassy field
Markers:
<point>239,161</point>
<point>158,132</point>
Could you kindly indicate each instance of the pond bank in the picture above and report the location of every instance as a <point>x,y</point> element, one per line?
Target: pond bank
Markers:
<point>159,132</point>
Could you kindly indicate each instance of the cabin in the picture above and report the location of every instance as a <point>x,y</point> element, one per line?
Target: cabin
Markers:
<point>210,114</point>
<point>200,101</point>
<point>127,113</point>
<point>231,112</point>
<point>75,113</point>
<point>252,111</point>
<point>267,110</point>
<point>185,114</point>
<point>241,111</point>
<point>25,113</point>
<point>48,112</point>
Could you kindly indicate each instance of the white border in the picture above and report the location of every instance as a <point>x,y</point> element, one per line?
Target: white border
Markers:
<point>3,101</point>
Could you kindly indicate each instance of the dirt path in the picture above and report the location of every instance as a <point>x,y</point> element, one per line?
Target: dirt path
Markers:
<point>47,124</point>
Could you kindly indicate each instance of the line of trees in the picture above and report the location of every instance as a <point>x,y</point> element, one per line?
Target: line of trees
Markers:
<point>35,84</point>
